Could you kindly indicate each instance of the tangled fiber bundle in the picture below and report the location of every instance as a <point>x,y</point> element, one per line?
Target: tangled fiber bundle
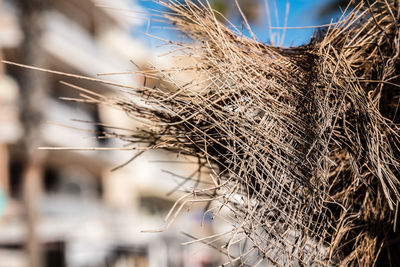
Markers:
<point>302,144</point>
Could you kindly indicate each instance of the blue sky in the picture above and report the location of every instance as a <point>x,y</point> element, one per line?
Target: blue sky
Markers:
<point>301,13</point>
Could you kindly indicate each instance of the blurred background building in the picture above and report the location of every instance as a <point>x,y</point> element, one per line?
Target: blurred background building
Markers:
<point>65,208</point>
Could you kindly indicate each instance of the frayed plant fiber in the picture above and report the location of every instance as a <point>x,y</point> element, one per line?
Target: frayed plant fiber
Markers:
<point>302,143</point>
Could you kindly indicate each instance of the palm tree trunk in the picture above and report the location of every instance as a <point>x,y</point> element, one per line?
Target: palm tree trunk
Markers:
<point>33,97</point>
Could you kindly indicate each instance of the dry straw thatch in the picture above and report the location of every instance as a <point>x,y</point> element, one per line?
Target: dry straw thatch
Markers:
<point>302,144</point>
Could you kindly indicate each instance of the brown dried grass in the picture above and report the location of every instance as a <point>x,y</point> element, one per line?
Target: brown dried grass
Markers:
<point>302,143</point>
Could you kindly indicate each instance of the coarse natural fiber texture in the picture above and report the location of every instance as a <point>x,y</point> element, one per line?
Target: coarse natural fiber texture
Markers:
<point>302,144</point>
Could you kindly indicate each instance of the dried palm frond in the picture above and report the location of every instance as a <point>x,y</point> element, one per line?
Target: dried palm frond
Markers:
<point>302,143</point>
